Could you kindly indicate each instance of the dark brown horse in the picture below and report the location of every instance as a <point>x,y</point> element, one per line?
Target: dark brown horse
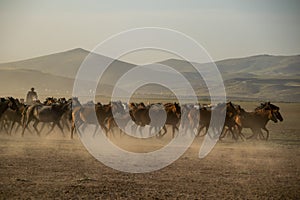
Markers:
<point>47,114</point>
<point>5,104</point>
<point>230,125</point>
<point>154,115</point>
<point>258,119</point>
<point>83,115</point>
<point>12,117</point>
<point>119,121</point>
<point>96,114</point>
<point>139,114</point>
<point>173,111</point>
<point>202,118</point>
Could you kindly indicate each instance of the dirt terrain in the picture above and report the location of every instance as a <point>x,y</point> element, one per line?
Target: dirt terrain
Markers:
<point>54,166</point>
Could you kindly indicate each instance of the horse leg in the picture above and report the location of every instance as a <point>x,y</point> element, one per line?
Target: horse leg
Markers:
<point>106,130</point>
<point>35,127</point>
<point>26,121</point>
<point>173,131</point>
<point>121,132</point>
<point>24,127</point>
<point>18,126</point>
<point>254,134</point>
<point>264,128</point>
<point>234,136</point>
<point>261,135</point>
<point>72,129</point>
<point>165,131</point>
<point>74,125</point>
<point>200,129</point>
<point>109,127</point>
<point>96,129</point>
<point>60,128</point>
<point>112,131</point>
<point>64,123</point>
<point>157,132</point>
<point>5,126</point>
<point>150,129</point>
<point>223,133</point>
<point>257,133</point>
<point>52,127</point>
<point>11,127</point>
<point>133,128</point>
<point>43,126</point>
<point>191,127</point>
<point>141,130</point>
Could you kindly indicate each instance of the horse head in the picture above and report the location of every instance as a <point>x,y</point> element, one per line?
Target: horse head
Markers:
<point>177,110</point>
<point>272,116</point>
<point>12,103</point>
<point>230,109</point>
<point>49,101</point>
<point>275,110</point>
<point>240,110</point>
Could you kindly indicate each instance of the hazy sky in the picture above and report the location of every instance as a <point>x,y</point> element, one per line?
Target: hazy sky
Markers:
<point>225,28</point>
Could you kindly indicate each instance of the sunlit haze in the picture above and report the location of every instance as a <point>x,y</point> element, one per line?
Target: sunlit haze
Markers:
<point>225,29</point>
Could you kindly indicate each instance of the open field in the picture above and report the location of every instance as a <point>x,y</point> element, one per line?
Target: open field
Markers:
<point>58,167</point>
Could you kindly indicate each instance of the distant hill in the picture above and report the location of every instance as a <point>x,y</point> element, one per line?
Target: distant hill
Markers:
<point>260,66</point>
<point>263,66</point>
<point>262,77</point>
<point>65,63</point>
<point>259,77</point>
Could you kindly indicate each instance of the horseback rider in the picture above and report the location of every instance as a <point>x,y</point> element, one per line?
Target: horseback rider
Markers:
<point>31,97</point>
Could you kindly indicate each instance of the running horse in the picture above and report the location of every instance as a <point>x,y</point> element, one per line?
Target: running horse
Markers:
<point>43,113</point>
<point>202,118</point>
<point>5,104</point>
<point>258,119</point>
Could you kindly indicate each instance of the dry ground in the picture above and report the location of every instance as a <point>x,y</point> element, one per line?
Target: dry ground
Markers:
<point>57,167</point>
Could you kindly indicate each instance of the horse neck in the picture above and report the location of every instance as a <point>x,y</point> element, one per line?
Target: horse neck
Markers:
<point>3,106</point>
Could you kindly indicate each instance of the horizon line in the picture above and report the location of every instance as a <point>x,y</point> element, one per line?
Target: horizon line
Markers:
<point>88,51</point>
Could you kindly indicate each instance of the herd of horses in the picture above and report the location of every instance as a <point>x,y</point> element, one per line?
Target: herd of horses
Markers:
<point>191,118</point>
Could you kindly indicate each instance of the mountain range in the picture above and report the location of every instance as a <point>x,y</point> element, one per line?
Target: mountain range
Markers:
<point>259,78</point>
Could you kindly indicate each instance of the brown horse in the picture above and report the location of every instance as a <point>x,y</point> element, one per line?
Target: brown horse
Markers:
<point>258,119</point>
<point>154,115</point>
<point>139,114</point>
<point>5,104</point>
<point>122,121</point>
<point>96,114</point>
<point>12,117</point>
<point>173,111</point>
<point>187,114</point>
<point>202,118</point>
<point>82,115</point>
<point>230,124</point>
<point>41,113</point>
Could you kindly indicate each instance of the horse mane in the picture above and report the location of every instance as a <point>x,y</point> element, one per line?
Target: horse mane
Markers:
<point>267,105</point>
